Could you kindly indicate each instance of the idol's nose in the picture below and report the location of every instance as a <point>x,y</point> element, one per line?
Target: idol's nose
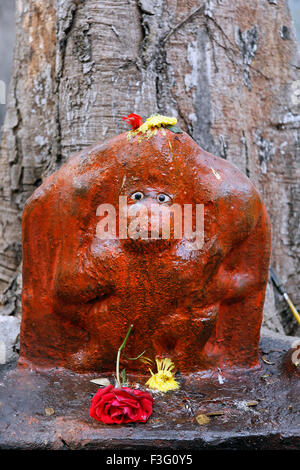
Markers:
<point>149,220</point>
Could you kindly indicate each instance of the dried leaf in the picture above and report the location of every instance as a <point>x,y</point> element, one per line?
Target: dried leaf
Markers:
<point>267,361</point>
<point>49,411</point>
<point>262,410</point>
<point>265,377</point>
<point>202,419</point>
<point>215,413</point>
<point>101,382</point>
<point>252,403</point>
<point>220,379</point>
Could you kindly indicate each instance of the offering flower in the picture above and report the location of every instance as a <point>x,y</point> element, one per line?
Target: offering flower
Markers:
<point>123,405</point>
<point>134,120</point>
<point>151,126</point>
<point>164,379</point>
<point>157,120</point>
<point>118,404</point>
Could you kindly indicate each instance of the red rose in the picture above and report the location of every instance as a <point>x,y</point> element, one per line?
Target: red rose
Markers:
<point>134,119</point>
<point>121,405</point>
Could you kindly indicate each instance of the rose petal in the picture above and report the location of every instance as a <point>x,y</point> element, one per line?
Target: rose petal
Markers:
<point>101,391</point>
<point>121,405</point>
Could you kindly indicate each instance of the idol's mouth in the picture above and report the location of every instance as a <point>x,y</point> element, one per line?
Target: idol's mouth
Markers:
<point>146,244</point>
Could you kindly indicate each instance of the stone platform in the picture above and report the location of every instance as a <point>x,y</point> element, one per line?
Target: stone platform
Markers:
<point>257,410</point>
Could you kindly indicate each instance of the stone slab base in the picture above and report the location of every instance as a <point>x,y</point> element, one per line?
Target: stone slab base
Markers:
<point>254,410</point>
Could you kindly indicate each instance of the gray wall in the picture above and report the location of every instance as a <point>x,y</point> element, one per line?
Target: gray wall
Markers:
<point>295,12</point>
<point>7,35</point>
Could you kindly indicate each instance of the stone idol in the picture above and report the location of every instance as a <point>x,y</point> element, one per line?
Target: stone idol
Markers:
<point>145,229</point>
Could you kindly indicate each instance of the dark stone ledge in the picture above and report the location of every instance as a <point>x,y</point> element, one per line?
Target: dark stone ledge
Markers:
<point>271,423</point>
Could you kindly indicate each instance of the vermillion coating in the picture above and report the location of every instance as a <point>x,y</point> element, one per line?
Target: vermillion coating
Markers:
<point>203,309</point>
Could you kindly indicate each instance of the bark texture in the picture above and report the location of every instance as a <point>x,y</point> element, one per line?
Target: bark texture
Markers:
<point>230,72</point>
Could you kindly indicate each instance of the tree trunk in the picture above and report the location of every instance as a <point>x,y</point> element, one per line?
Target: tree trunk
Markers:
<point>228,70</point>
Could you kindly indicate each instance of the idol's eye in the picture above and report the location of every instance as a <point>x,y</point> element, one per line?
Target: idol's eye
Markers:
<point>163,198</point>
<point>138,196</point>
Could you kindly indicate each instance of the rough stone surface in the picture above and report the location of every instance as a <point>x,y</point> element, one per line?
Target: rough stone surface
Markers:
<point>9,338</point>
<point>270,319</point>
<point>259,410</point>
<point>11,297</point>
<point>7,34</point>
<point>269,338</point>
<point>229,71</point>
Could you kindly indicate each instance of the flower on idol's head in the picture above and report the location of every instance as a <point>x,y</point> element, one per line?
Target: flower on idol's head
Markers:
<point>151,126</point>
<point>113,405</point>
<point>156,121</point>
<point>134,120</point>
<point>164,379</point>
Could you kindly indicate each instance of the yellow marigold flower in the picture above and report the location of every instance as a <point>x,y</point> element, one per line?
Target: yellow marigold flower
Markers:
<point>151,124</point>
<point>157,120</point>
<point>164,379</point>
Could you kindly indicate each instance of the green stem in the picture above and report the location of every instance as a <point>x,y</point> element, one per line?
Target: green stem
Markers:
<point>134,358</point>
<point>118,384</point>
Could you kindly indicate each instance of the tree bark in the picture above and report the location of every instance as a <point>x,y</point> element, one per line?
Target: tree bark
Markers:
<point>228,70</point>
